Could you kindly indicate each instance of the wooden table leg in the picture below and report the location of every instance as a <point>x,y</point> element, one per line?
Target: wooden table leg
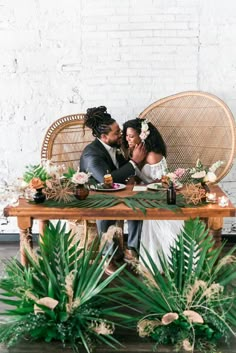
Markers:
<point>25,226</point>
<point>26,241</point>
<point>214,224</point>
<point>42,226</point>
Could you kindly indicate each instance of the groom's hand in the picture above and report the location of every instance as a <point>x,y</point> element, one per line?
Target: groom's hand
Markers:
<point>139,153</point>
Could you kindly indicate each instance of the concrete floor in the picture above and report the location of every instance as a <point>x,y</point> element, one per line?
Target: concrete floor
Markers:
<point>132,343</point>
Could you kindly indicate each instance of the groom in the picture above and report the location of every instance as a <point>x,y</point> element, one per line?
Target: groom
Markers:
<point>100,157</point>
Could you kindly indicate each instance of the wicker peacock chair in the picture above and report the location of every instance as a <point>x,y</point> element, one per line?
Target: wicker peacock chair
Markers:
<point>65,140</point>
<point>63,143</point>
<point>195,125</point>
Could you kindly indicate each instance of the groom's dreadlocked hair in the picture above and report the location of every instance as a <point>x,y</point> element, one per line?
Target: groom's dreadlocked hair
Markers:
<point>98,120</point>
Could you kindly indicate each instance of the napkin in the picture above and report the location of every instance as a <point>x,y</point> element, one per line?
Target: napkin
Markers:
<point>139,188</point>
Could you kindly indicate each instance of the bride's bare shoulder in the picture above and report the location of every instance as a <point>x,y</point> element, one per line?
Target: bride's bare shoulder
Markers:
<point>153,158</point>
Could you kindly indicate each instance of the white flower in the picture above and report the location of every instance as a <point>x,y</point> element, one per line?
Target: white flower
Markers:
<point>145,125</point>
<point>144,135</point>
<point>54,170</point>
<point>144,130</point>
<point>215,166</point>
<point>210,176</point>
<point>199,175</point>
<point>80,178</point>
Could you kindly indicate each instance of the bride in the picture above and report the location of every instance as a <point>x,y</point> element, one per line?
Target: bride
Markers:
<point>157,236</point>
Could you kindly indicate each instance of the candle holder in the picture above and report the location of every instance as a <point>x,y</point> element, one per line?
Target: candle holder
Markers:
<point>211,197</point>
<point>223,201</point>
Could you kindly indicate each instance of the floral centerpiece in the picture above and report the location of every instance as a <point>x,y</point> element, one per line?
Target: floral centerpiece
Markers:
<point>201,174</point>
<point>57,183</point>
<point>81,180</point>
<point>174,177</point>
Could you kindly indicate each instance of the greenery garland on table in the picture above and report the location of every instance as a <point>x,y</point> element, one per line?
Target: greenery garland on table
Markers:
<point>140,201</point>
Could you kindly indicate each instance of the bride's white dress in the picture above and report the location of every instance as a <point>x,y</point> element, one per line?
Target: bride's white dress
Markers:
<point>157,236</point>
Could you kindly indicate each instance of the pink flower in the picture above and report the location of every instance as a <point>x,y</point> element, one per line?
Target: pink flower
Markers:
<point>179,172</point>
<point>80,178</point>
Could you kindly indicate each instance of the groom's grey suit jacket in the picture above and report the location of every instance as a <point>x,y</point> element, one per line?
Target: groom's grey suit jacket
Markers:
<point>96,160</point>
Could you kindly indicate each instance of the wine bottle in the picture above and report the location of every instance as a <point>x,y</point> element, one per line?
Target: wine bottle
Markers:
<point>171,194</point>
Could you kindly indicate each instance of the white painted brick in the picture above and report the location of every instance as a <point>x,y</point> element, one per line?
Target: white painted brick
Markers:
<point>118,19</point>
<point>94,36</point>
<point>19,40</point>
<point>8,62</point>
<point>61,57</point>
<point>119,34</point>
<point>132,42</point>
<point>108,27</point>
<point>141,33</point>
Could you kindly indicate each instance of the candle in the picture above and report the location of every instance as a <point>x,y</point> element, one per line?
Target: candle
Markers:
<point>223,201</point>
<point>211,197</point>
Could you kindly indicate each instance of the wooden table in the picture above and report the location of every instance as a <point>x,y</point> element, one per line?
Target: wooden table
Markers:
<point>26,213</point>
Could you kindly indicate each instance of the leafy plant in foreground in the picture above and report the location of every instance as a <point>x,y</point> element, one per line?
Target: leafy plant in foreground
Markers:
<point>61,295</point>
<point>191,305</point>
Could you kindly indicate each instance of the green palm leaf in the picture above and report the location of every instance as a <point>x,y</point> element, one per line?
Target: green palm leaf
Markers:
<point>70,278</point>
<point>197,279</point>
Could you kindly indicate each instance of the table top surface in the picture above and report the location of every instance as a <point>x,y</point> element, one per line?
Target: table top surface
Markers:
<point>120,211</point>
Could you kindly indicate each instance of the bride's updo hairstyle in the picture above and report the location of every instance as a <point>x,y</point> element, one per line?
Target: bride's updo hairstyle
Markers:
<point>154,141</point>
<point>98,120</point>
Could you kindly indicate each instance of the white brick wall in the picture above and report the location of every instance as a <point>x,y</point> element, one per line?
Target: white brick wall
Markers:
<point>59,57</point>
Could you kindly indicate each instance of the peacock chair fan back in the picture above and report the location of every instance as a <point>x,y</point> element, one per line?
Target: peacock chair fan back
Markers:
<point>195,125</point>
<point>63,143</point>
<point>65,140</point>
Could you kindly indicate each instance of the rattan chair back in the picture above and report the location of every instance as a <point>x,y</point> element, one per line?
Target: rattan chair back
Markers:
<point>63,143</point>
<point>65,140</point>
<point>195,125</point>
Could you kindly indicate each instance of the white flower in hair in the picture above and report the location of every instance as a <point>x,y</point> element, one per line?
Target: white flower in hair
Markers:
<point>144,130</point>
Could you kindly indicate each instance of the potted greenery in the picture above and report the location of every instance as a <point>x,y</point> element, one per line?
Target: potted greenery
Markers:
<point>191,304</point>
<point>62,295</point>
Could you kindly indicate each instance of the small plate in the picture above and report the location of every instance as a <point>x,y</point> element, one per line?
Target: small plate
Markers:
<point>155,186</point>
<point>116,187</point>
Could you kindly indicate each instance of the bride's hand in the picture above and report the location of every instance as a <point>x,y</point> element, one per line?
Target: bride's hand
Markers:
<point>139,153</point>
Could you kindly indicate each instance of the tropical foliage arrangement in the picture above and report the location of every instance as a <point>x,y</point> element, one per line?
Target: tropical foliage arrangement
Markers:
<point>192,305</point>
<point>59,185</point>
<point>57,182</point>
<point>140,201</point>
<point>62,295</point>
